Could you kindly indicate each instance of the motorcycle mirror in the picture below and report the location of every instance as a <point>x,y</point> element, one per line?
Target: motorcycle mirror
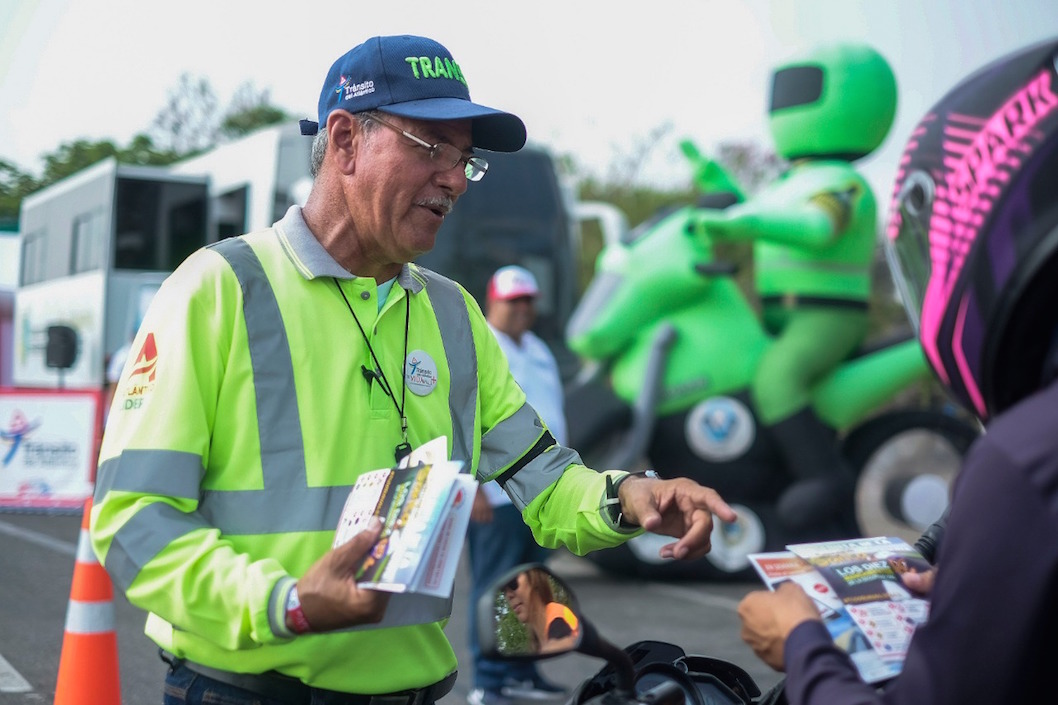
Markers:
<point>528,613</point>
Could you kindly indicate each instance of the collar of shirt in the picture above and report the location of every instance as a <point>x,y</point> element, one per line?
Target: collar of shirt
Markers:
<point>308,256</point>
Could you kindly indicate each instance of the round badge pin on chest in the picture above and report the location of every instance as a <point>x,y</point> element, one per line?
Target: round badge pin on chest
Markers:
<point>420,372</point>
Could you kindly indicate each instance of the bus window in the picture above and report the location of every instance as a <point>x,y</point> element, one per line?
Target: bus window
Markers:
<point>187,231</point>
<point>135,218</point>
<point>229,209</point>
<point>89,241</point>
<point>34,257</point>
<point>158,224</point>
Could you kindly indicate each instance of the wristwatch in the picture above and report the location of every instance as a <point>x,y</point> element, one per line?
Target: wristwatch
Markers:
<point>295,615</point>
<point>612,502</point>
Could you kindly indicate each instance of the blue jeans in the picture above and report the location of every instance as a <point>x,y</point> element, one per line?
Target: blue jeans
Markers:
<point>493,549</point>
<point>185,687</point>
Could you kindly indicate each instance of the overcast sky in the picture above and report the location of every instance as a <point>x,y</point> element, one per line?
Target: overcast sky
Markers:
<point>591,78</point>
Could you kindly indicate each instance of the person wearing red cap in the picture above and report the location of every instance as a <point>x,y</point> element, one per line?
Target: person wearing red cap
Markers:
<point>498,539</point>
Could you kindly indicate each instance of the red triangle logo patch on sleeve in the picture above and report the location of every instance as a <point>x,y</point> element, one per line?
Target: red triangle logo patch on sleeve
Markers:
<point>146,359</point>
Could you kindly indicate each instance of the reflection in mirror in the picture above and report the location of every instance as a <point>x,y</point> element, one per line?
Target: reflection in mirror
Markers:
<point>534,614</point>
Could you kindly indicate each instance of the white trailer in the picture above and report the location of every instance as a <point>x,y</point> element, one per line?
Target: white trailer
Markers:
<point>95,246</point>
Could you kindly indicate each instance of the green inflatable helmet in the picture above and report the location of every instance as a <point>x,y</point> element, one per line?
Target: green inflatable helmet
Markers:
<point>838,102</point>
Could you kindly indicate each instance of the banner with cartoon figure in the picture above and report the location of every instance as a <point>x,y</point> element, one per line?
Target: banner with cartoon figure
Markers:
<point>48,448</point>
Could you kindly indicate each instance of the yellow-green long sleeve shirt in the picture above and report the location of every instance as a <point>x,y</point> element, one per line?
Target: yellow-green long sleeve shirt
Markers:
<point>243,418</point>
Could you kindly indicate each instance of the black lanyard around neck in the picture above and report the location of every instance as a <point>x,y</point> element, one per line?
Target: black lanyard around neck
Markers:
<point>403,448</point>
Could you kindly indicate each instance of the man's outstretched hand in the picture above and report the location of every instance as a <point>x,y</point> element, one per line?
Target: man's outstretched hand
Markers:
<point>680,508</point>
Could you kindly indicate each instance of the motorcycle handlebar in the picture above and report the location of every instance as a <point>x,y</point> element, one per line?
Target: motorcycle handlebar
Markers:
<point>930,539</point>
<point>667,693</point>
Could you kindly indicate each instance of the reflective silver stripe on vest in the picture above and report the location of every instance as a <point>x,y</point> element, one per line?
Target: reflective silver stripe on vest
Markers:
<point>171,473</point>
<point>278,423</point>
<point>286,504</point>
<point>539,474</point>
<point>453,319</point>
<point>508,440</point>
<point>143,536</point>
<point>161,472</point>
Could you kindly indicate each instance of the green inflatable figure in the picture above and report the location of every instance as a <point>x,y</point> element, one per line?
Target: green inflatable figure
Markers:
<point>814,235</point>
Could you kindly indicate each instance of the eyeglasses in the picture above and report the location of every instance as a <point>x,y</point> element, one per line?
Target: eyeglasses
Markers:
<point>511,585</point>
<point>444,155</point>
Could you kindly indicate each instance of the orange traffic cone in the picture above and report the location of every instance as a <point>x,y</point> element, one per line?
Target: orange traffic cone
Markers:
<point>88,666</point>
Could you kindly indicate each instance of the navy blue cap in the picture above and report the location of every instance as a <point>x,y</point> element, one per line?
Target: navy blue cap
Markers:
<point>412,77</point>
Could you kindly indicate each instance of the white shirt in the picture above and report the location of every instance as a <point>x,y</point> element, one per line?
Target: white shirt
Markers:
<point>535,370</point>
<point>117,363</point>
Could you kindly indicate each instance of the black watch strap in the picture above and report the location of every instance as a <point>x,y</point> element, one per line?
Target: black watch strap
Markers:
<point>612,502</point>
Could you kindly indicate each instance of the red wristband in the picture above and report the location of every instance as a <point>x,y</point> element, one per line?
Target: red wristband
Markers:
<point>295,615</point>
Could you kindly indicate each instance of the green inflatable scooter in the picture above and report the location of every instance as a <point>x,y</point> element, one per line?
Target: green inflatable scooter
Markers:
<point>782,413</point>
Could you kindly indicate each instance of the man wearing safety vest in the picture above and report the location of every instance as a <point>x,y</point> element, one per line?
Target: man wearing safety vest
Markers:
<point>274,368</point>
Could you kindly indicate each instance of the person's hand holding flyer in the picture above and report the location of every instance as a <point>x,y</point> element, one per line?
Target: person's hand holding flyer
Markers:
<point>857,588</point>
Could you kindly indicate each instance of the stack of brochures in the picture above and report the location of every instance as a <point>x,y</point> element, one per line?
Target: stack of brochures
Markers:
<point>856,584</point>
<point>424,505</point>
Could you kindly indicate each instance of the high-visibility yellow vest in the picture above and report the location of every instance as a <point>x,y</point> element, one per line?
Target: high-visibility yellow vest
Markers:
<point>244,418</point>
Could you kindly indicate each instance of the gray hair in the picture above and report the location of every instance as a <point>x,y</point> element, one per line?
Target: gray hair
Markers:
<point>320,141</point>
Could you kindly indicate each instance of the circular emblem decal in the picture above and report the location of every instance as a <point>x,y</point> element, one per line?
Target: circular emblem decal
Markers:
<point>720,428</point>
<point>732,543</point>
<point>420,373</point>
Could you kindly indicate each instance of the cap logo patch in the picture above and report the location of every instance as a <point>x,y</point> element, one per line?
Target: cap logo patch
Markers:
<point>354,90</point>
<point>438,67</point>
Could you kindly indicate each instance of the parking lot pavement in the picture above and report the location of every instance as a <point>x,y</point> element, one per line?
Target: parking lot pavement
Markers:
<point>37,558</point>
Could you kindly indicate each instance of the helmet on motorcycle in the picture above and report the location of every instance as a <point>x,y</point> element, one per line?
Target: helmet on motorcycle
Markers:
<point>972,240</point>
<point>838,102</point>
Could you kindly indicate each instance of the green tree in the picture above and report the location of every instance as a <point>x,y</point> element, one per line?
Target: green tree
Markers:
<point>142,150</point>
<point>189,122</point>
<point>14,186</point>
<point>72,157</point>
<point>192,122</point>
<point>250,110</point>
